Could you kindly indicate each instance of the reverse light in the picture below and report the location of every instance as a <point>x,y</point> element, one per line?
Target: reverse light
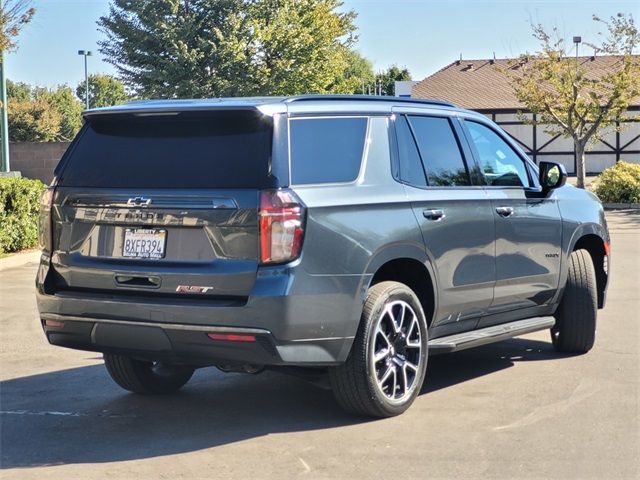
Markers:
<point>45,225</point>
<point>281,220</point>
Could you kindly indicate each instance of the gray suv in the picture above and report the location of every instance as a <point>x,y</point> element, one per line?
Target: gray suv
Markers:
<point>353,236</point>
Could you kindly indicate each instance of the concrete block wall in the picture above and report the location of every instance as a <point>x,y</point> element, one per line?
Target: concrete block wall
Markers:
<point>36,160</point>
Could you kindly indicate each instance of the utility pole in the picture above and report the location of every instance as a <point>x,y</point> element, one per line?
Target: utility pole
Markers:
<point>5,166</point>
<point>85,54</point>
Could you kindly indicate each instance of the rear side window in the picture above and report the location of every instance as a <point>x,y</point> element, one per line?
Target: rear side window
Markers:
<point>440,152</point>
<point>326,150</point>
<point>188,150</point>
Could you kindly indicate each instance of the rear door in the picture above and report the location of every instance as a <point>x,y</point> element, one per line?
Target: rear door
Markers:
<point>454,215</point>
<point>163,204</point>
<point>528,227</point>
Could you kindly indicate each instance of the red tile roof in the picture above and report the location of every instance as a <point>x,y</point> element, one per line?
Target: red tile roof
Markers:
<point>479,85</point>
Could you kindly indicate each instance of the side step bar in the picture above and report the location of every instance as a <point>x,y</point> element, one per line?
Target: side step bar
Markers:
<point>483,336</point>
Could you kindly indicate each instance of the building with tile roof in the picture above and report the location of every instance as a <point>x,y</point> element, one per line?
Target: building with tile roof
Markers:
<point>481,85</point>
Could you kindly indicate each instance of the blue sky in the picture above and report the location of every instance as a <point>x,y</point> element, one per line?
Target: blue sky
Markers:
<point>423,35</point>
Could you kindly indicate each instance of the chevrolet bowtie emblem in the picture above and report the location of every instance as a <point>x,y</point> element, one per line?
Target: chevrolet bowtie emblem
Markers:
<point>139,202</point>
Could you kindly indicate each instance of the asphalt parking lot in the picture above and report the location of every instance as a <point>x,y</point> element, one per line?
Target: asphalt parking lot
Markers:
<point>510,410</point>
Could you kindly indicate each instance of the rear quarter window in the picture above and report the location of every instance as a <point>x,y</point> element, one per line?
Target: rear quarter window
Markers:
<point>326,150</point>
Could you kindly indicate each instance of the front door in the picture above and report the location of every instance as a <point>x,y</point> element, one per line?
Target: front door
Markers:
<point>528,228</point>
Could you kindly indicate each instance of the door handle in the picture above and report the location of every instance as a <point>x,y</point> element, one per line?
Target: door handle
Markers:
<point>505,211</point>
<point>435,214</point>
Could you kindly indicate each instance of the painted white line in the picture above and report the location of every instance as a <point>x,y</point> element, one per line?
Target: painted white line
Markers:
<point>26,412</point>
<point>62,414</point>
<point>306,466</point>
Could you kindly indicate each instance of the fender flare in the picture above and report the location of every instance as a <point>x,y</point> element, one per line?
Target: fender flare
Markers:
<point>399,251</point>
<point>581,231</point>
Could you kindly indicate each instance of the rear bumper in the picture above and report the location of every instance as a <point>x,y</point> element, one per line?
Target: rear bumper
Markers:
<point>190,344</point>
<point>306,322</point>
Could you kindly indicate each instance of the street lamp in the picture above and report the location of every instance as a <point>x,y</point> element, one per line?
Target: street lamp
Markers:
<point>85,54</point>
<point>577,41</point>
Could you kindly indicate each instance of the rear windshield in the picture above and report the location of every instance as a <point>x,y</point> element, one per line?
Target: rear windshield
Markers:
<point>188,150</point>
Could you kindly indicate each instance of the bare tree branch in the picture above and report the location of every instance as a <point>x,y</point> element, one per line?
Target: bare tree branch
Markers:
<point>14,14</point>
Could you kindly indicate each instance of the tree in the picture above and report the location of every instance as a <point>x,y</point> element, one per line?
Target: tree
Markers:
<point>569,100</point>
<point>38,114</point>
<point>208,48</point>
<point>356,77</point>
<point>18,91</point>
<point>104,91</point>
<point>70,109</point>
<point>386,80</point>
<point>300,46</point>
<point>14,14</point>
<point>33,121</point>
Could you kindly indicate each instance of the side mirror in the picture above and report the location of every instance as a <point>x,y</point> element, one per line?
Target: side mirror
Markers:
<point>552,175</point>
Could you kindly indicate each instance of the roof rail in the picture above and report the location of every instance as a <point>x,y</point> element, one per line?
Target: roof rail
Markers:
<point>377,98</point>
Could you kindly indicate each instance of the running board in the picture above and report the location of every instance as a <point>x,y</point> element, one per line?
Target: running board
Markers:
<point>483,336</point>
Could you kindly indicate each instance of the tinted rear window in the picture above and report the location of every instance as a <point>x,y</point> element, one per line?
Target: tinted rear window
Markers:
<point>440,152</point>
<point>189,150</point>
<point>326,150</point>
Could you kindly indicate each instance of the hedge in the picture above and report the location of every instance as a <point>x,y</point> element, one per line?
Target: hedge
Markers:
<point>19,210</point>
<point>619,184</point>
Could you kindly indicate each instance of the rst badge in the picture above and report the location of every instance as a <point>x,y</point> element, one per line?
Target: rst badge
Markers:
<point>192,289</point>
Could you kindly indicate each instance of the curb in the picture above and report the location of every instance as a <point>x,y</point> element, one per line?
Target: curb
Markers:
<point>621,206</point>
<point>19,259</point>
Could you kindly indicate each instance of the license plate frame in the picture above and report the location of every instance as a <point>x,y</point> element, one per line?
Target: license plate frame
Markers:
<point>144,243</point>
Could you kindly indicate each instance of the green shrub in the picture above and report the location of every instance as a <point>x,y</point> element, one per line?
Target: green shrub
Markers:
<point>19,210</point>
<point>619,184</point>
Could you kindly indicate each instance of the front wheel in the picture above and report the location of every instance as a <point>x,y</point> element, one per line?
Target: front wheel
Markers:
<point>386,367</point>
<point>575,328</point>
<point>146,377</point>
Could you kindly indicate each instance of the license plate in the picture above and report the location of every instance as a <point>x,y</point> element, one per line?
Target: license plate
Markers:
<point>144,243</point>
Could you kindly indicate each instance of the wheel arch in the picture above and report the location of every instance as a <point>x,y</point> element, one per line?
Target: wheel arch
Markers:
<point>415,271</point>
<point>594,239</point>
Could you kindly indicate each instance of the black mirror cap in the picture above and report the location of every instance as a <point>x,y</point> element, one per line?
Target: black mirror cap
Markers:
<point>552,175</point>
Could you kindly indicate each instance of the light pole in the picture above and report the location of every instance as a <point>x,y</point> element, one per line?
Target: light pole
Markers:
<point>577,41</point>
<point>85,54</point>
<point>5,166</point>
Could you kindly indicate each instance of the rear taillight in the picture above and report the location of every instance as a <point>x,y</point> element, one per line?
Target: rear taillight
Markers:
<point>45,229</point>
<point>281,218</point>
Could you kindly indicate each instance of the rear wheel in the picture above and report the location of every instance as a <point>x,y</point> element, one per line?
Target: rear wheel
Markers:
<point>575,328</point>
<point>146,377</point>
<point>385,369</point>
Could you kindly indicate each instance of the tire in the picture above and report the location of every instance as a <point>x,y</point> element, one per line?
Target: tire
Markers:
<point>575,328</point>
<point>363,385</point>
<point>146,377</point>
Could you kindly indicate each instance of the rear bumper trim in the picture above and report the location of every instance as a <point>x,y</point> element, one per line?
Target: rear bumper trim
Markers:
<point>166,326</point>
